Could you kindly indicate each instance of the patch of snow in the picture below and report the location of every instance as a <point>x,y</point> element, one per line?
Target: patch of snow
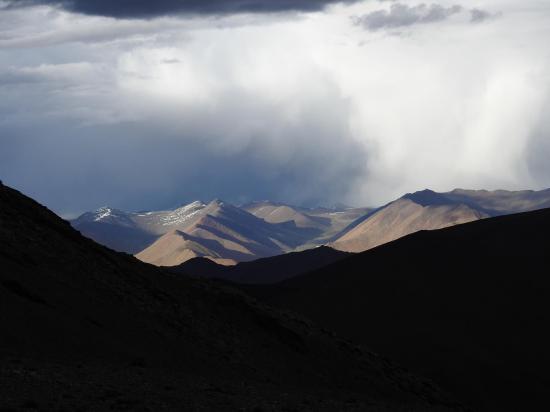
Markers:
<point>102,213</point>
<point>182,214</point>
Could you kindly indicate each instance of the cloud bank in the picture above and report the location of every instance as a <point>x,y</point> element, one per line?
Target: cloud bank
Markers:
<point>309,108</point>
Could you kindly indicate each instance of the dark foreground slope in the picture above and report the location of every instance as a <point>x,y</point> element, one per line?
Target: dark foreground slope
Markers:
<point>468,306</point>
<point>85,328</point>
<point>264,271</point>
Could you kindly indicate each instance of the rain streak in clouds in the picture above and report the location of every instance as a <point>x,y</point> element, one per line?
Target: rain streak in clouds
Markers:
<point>308,103</point>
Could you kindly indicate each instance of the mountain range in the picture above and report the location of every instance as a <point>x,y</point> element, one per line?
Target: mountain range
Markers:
<point>87,328</point>
<point>222,232</point>
<point>227,234</point>
<point>464,306</point>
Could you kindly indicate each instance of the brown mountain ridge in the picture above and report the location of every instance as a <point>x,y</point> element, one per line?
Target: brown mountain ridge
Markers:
<point>228,234</point>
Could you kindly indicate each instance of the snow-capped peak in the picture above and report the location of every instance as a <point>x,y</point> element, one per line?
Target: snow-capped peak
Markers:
<point>197,204</point>
<point>102,213</point>
<point>109,215</point>
<point>183,214</point>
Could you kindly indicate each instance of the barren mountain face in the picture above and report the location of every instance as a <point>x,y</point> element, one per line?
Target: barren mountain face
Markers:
<point>218,231</point>
<point>428,210</point>
<point>228,234</point>
<point>401,218</point>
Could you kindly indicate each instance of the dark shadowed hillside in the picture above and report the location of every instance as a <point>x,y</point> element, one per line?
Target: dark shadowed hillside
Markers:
<point>267,270</point>
<point>468,306</point>
<point>86,328</point>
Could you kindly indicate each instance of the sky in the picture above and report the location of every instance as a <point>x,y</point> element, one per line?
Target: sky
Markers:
<point>146,105</point>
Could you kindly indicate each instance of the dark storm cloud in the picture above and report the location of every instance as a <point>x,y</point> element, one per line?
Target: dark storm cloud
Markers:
<point>150,126</point>
<point>174,155</point>
<point>148,8</point>
<point>122,166</point>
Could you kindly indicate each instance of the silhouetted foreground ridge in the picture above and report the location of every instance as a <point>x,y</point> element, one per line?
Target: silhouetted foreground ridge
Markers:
<point>264,271</point>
